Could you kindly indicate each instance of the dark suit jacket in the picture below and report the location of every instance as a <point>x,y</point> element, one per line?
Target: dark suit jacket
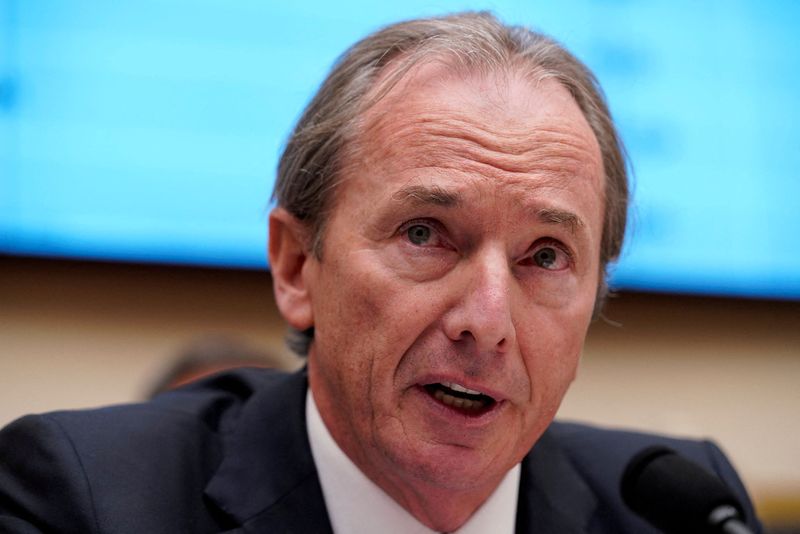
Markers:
<point>231,454</point>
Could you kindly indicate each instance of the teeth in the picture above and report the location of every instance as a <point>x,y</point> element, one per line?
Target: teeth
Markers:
<point>459,387</point>
<point>464,404</point>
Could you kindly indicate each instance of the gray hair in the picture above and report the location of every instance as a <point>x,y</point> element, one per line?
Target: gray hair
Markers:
<point>309,169</point>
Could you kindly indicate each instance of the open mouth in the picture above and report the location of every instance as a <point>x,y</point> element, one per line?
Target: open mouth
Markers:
<point>456,396</point>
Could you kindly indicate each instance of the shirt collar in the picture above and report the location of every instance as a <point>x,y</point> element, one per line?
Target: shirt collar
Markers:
<point>357,505</point>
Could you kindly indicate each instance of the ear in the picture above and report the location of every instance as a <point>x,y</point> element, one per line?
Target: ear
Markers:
<point>288,255</point>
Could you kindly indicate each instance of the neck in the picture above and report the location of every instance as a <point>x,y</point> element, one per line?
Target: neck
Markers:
<point>443,510</point>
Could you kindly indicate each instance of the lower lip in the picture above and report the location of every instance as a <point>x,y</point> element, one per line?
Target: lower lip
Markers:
<point>460,417</point>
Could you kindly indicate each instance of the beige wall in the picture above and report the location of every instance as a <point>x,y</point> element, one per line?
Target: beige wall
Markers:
<point>75,334</point>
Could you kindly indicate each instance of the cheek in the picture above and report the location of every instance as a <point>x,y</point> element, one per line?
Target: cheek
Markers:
<point>342,330</point>
<point>391,293</point>
<point>552,372</point>
<point>551,353</point>
<point>554,291</point>
<point>417,264</point>
<point>366,317</point>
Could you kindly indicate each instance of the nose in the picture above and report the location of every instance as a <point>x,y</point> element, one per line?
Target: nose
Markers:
<point>482,311</point>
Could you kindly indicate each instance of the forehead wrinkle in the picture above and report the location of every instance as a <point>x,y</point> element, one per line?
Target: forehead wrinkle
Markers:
<point>448,141</point>
<point>550,150</point>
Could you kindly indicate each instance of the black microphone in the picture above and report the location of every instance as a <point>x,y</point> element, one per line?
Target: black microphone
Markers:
<point>680,497</point>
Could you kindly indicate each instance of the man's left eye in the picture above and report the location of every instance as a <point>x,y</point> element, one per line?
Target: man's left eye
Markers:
<point>419,234</point>
<point>550,257</point>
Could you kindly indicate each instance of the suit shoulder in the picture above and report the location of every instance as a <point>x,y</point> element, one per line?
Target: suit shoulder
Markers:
<point>606,451</point>
<point>601,455</point>
<point>209,405</point>
<point>579,439</point>
<point>91,467</point>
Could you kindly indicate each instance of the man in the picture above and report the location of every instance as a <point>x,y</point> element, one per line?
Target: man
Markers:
<point>447,206</point>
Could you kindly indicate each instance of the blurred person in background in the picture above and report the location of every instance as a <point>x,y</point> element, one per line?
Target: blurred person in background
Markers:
<point>208,355</point>
<point>448,204</point>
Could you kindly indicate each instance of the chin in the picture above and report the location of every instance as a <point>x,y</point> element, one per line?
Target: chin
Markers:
<point>452,467</point>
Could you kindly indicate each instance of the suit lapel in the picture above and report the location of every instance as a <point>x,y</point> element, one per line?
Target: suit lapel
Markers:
<point>267,480</point>
<point>553,497</point>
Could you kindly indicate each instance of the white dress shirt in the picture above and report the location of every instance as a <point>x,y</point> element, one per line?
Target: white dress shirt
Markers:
<point>357,505</point>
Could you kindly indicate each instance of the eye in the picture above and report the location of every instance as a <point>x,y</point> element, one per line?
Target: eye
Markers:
<point>545,257</point>
<point>550,256</point>
<point>419,234</point>
<point>424,233</point>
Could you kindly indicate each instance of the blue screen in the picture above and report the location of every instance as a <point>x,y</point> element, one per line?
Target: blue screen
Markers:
<point>150,131</point>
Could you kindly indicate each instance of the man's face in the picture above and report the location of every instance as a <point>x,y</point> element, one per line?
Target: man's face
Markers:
<point>458,275</point>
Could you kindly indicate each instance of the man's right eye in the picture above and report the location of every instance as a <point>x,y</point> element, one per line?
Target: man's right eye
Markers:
<point>418,234</point>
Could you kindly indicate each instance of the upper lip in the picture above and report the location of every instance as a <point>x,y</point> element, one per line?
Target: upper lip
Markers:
<point>463,382</point>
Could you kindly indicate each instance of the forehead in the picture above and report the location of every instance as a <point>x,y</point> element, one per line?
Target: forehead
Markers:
<point>522,134</point>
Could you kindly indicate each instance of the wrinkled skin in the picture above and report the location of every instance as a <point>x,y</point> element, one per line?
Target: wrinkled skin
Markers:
<point>463,246</point>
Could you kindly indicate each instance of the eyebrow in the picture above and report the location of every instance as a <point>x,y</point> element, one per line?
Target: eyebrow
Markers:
<point>561,218</point>
<point>422,194</point>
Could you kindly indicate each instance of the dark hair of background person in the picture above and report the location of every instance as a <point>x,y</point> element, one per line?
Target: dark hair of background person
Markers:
<point>207,355</point>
